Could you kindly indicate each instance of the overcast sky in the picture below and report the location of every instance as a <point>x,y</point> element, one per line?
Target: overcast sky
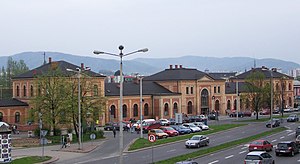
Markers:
<point>168,28</point>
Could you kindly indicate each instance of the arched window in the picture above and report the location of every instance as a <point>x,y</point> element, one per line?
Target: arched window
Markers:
<point>204,98</point>
<point>135,110</point>
<point>234,104</point>
<point>217,105</point>
<point>31,91</point>
<point>24,91</point>
<point>95,90</point>
<point>228,105</point>
<point>17,117</point>
<point>190,108</point>
<point>1,116</point>
<point>146,109</point>
<point>18,91</point>
<point>113,111</point>
<point>290,86</point>
<point>166,109</point>
<point>175,108</point>
<point>124,111</point>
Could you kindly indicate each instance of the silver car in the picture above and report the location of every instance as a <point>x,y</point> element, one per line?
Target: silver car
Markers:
<point>197,141</point>
<point>257,157</point>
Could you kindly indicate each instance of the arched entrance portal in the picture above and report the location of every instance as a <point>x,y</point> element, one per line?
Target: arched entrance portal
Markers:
<point>204,102</point>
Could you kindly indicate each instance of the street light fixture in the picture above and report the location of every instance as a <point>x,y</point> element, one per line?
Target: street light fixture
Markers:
<point>120,55</point>
<point>78,71</point>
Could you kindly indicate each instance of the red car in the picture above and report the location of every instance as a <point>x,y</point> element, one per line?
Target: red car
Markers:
<point>262,145</point>
<point>170,131</point>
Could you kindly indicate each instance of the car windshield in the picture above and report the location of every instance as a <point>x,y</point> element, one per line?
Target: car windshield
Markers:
<point>182,127</point>
<point>158,131</point>
<point>192,125</point>
<point>195,138</point>
<point>169,128</point>
<point>283,145</point>
<point>253,157</point>
<point>256,143</point>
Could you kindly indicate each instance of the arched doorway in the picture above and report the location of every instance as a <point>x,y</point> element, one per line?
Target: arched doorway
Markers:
<point>124,111</point>
<point>112,112</point>
<point>175,108</point>
<point>204,102</point>
<point>217,105</point>
<point>146,109</point>
<point>166,109</point>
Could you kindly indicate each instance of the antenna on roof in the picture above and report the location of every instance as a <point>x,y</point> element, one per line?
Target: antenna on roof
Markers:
<point>44,58</point>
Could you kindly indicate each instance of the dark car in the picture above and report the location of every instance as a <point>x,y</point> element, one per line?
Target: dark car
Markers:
<point>292,118</point>
<point>274,122</point>
<point>182,129</point>
<point>247,113</point>
<point>172,121</point>
<point>286,147</point>
<point>194,119</point>
<point>212,116</point>
<point>197,141</point>
<point>187,162</point>
<point>110,125</point>
<point>233,114</point>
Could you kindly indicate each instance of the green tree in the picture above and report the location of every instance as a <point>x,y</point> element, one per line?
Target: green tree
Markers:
<point>257,91</point>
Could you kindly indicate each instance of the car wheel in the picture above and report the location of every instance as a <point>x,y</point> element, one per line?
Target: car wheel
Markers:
<point>277,154</point>
<point>187,147</point>
<point>198,145</point>
<point>206,143</point>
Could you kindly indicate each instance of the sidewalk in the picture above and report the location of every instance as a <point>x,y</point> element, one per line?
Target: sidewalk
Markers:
<point>56,152</point>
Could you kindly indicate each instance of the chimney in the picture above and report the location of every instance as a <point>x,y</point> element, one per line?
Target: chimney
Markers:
<point>82,66</point>
<point>176,66</point>
<point>274,69</point>
<point>50,59</point>
<point>171,66</point>
<point>180,66</point>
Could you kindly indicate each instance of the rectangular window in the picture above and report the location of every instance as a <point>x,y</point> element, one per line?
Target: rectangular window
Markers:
<point>215,89</point>
<point>187,90</point>
<point>192,90</point>
<point>219,89</point>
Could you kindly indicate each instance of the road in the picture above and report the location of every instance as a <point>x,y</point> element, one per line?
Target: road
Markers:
<point>164,152</point>
<point>236,155</point>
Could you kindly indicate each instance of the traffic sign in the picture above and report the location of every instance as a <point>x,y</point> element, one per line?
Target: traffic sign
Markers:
<point>152,138</point>
<point>93,136</point>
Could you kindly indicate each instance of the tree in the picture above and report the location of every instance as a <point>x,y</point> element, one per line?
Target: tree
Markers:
<point>257,91</point>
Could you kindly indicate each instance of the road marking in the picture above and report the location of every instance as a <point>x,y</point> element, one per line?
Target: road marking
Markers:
<point>229,156</point>
<point>171,150</point>
<point>242,152</point>
<point>216,161</point>
<point>273,140</point>
<point>282,137</point>
<point>289,130</point>
<point>298,160</point>
<point>212,154</point>
<point>244,147</point>
<point>291,134</point>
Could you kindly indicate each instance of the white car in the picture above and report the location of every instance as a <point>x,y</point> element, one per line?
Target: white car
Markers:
<point>193,127</point>
<point>256,157</point>
<point>201,125</point>
<point>164,121</point>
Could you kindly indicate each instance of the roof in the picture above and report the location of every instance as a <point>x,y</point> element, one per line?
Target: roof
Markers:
<point>256,152</point>
<point>230,87</point>
<point>296,83</point>
<point>222,75</point>
<point>12,102</point>
<point>267,72</point>
<point>132,88</point>
<point>60,65</point>
<point>177,74</point>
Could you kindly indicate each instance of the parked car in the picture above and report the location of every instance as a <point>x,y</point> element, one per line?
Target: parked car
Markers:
<point>110,125</point>
<point>288,110</point>
<point>197,141</point>
<point>164,122</point>
<point>293,118</point>
<point>158,133</point>
<point>260,145</point>
<point>298,131</point>
<point>194,118</point>
<point>170,131</point>
<point>148,126</point>
<point>201,125</point>
<point>172,121</point>
<point>276,111</point>
<point>275,122</point>
<point>286,147</point>
<point>212,116</point>
<point>182,129</point>
<point>192,126</point>
<point>247,113</point>
<point>264,112</point>
<point>233,114</point>
<point>258,157</point>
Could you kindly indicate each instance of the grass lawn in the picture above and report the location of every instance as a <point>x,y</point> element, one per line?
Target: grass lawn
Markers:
<point>142,143</point>
<point>220,147</point>
<point>31,160</point>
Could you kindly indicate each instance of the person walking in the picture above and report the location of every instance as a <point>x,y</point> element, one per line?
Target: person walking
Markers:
<point>64,142</point>
<point>114,132</point>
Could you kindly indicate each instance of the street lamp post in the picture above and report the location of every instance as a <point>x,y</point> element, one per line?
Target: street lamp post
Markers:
<point>237,100</point>
<point>271,110</point>
<point>121,55</point>
<point>141,106</point>
<point>79,106</point>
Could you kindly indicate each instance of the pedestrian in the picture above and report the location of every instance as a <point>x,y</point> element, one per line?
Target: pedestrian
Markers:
<point>64,142</point>
<point>114,132</point>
